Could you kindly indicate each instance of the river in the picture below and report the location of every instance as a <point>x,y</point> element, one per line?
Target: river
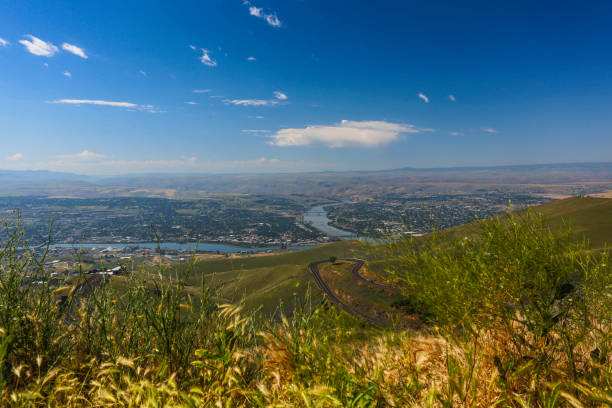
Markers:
<point>317,217</point>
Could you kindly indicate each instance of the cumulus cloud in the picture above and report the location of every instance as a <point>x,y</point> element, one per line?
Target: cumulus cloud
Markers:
<point>251,59</point>
<point>280,95</point>
<point>85,155</point>
<point>424,97</point>
<point>73,49</point>
<point>68,74</point>
<point>271,18</point>
<point>452,97</point>
<point>4,43</point>
<point>39,47</point>
<point>345,133</point>
<point>489,130</point>
<point>15,157</point>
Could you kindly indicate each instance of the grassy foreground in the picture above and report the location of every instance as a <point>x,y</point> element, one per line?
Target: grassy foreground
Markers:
<point>518,316</point>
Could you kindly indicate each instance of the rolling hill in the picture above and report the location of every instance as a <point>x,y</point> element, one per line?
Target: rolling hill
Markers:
<point>267,281</point>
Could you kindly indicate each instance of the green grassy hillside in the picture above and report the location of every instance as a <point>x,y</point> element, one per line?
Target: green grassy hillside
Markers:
<point>267,281</point>
<point>589,217</point>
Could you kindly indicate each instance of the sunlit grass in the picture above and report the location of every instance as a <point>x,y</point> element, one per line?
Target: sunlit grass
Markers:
<point>518,316</point>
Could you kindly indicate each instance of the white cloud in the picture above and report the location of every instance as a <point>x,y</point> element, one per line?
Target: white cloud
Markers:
<point>251,102</point>
<point>280,95</point>
<point>258,102</point>
<point>46,64</point>
<point>193,47</point>
<point>424,97</point>
<point>255,131</point>
<point>85,155</point>
<point>15,157</point>
<point>128,105</point>
<point>191,103</point>
<point>97,102</point>
<point>256,117</point>
<point>143,73</point>
<point>457,133</point>
<point>206,60</point>
<point>489,130</point>
<point>39,47</point>
<point>452,97</point>
<point>251,59</point>
<point>68,74</point>
<point>271,18</point>
<point>200,90</point>
<point>4,43</point>
<point>345,133</point>
<point>73,49</point>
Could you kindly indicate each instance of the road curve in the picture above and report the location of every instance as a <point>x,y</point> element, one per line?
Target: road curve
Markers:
<point>313,268</point>
<point>355,273</point>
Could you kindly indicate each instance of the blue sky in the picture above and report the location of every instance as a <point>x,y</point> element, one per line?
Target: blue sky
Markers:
<point>108,87</point>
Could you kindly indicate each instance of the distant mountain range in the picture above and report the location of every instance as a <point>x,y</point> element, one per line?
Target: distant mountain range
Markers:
<point>47,183</point>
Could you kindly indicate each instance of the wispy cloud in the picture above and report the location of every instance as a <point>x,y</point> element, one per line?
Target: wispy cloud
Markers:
<point>68,74</point>
<point>424,97</point>
<point>128,105</point>
<point>73,49</point>
<point>201,90</point>
<point>251,59</point>
<point>39,47</point>
<point>452,97</point>
<point>4,43</point>
<point>251,102</point>
<point>345,133</point>
<point>143,73</point>
<point>205,58</point>
<point>255,131</point>
<point>85,155</point>
<point>456,133</point>
<point>15,157</point>
<point>489,130</point>
<point>191,103</point>
<point>96,102</point>
<point>271,17</point>
<point>280,95</point>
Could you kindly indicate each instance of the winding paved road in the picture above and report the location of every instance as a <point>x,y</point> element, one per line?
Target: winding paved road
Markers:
<point>313,268</point>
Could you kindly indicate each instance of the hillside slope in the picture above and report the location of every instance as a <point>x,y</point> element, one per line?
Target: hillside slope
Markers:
<point>267,281</point>
<point>589,217</point>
